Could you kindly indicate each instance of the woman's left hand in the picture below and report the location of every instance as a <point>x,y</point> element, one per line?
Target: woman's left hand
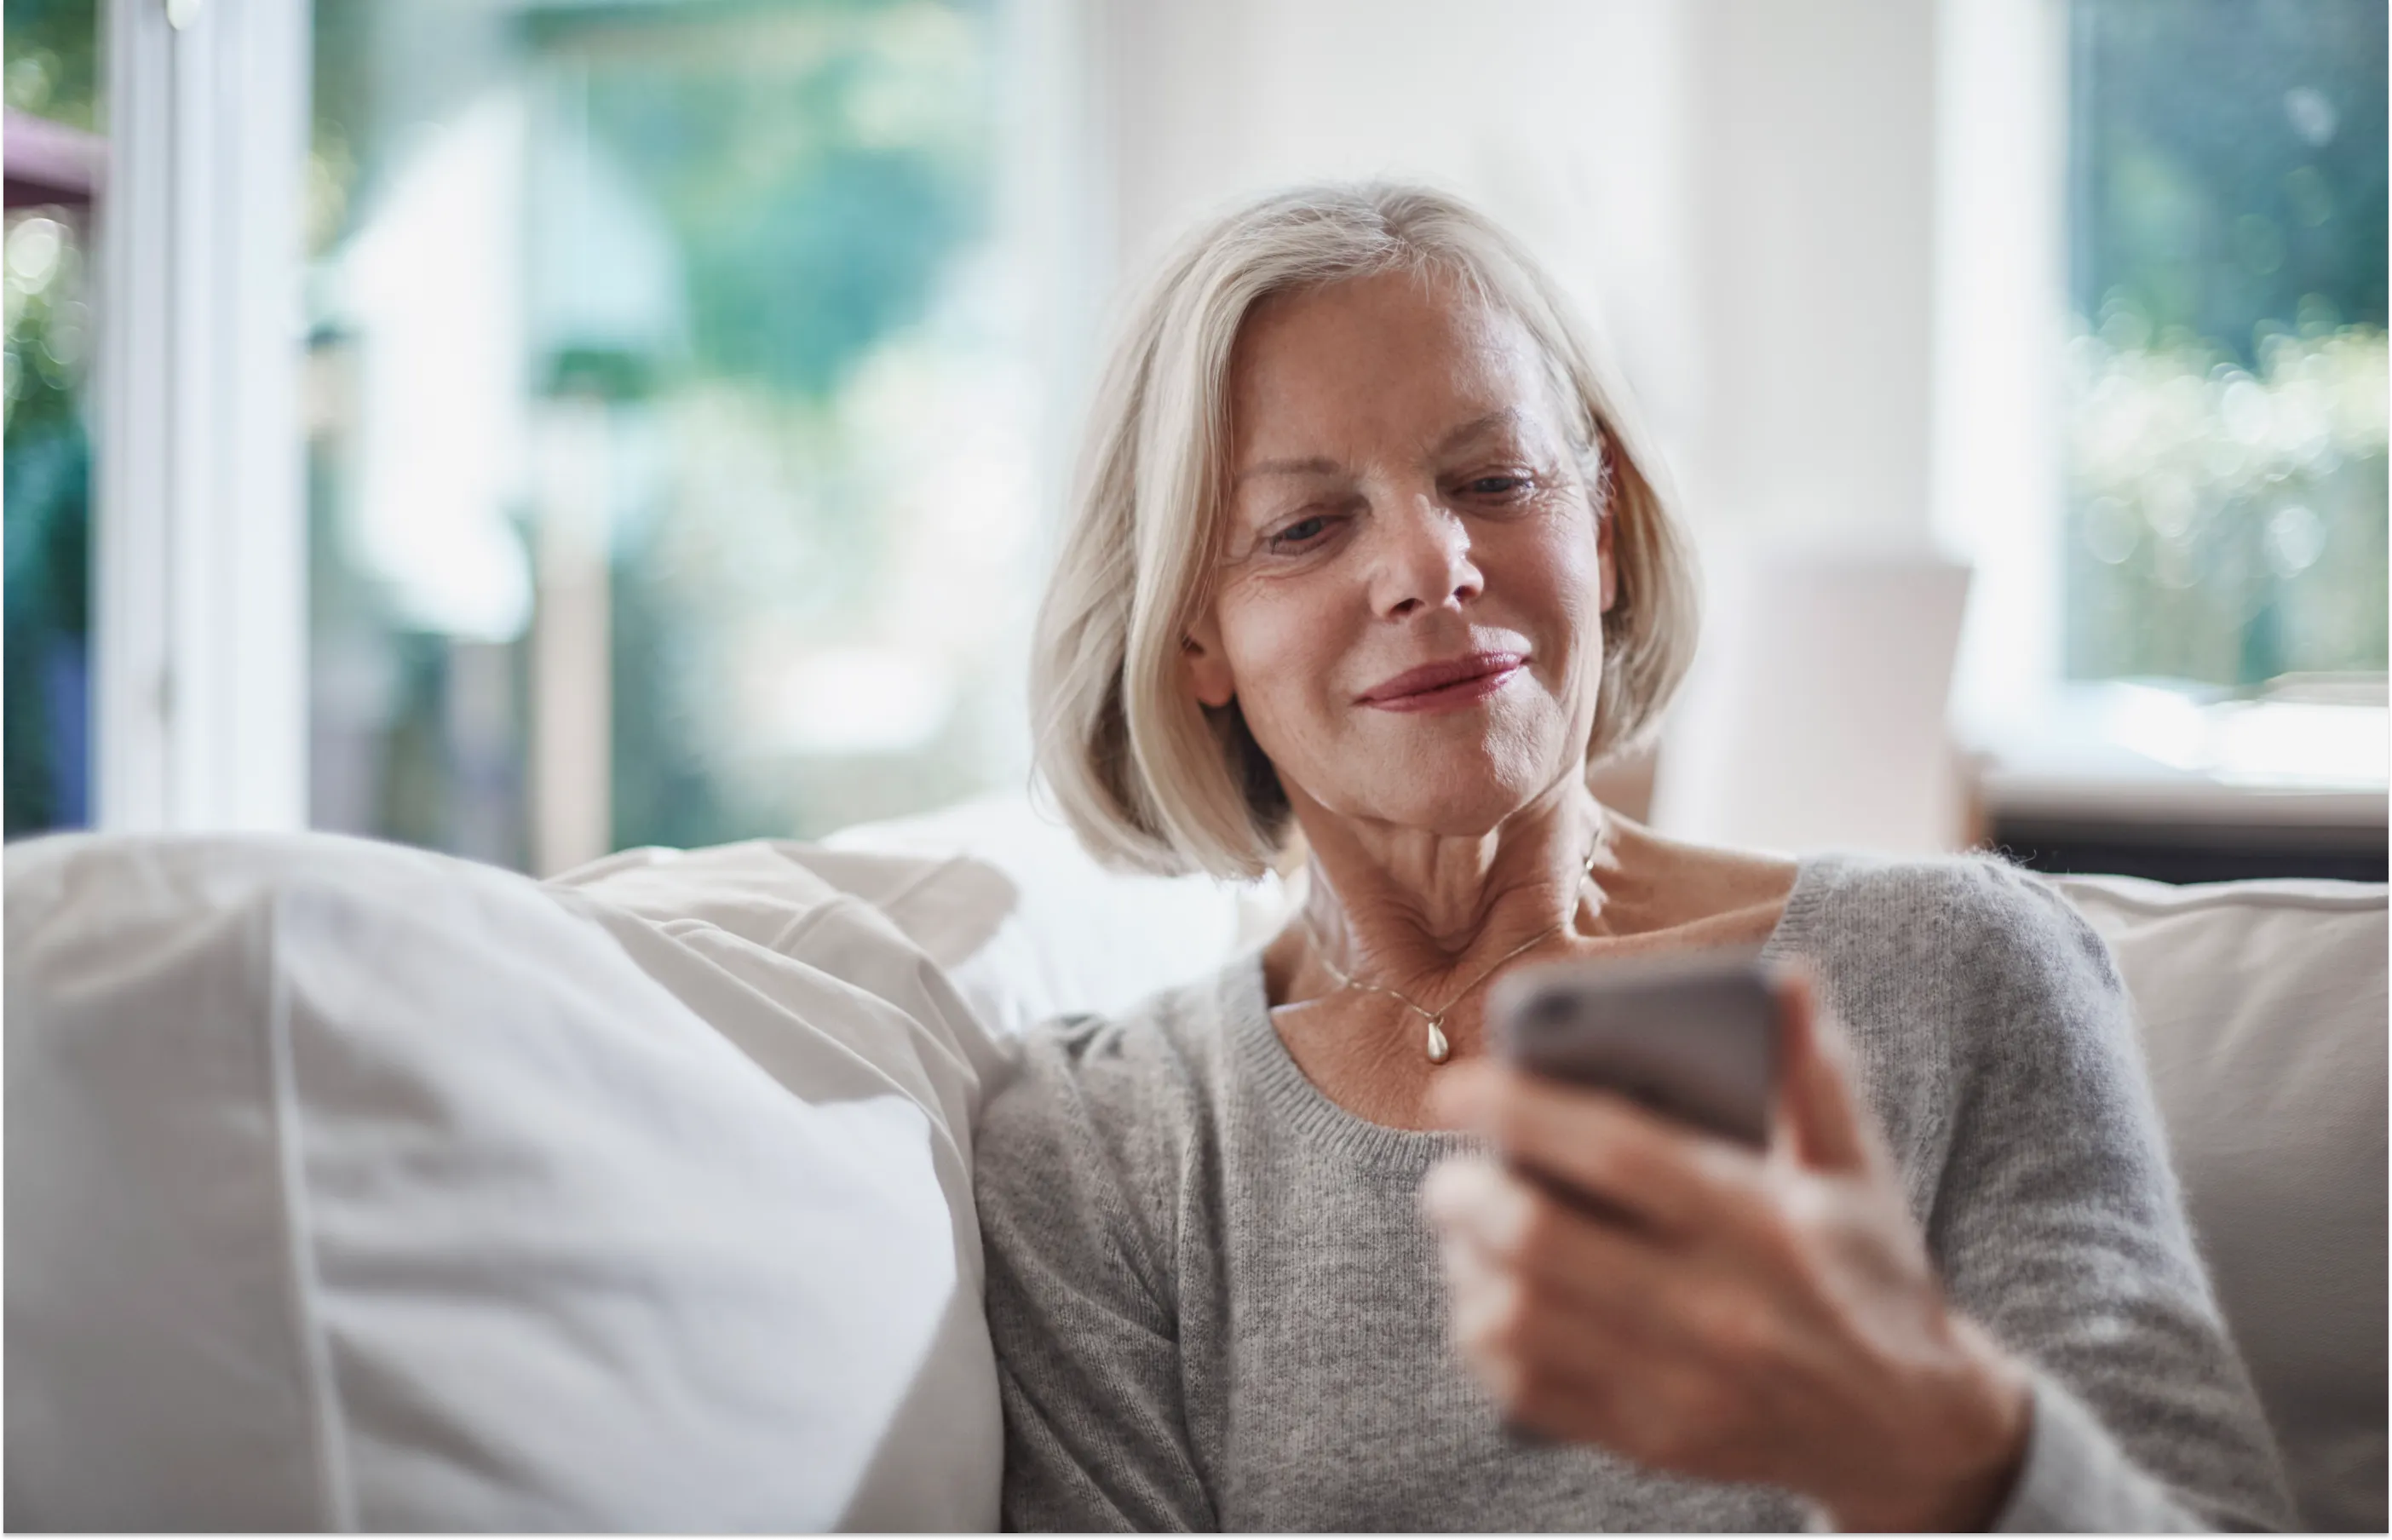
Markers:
<point>1718,1311</point>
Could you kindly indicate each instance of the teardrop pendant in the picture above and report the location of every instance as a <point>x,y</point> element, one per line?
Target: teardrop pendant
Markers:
<point>1439,1049</point>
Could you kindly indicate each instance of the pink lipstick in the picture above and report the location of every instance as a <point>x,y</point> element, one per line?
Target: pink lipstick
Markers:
<point>1445,686</point>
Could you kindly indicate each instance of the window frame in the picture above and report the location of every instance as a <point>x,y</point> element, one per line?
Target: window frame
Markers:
<point>199,635</point>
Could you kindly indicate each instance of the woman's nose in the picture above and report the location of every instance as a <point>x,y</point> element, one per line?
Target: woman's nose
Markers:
<point>1426,559</point>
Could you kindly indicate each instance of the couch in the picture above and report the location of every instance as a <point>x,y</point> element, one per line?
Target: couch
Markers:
<point>351,1186</point>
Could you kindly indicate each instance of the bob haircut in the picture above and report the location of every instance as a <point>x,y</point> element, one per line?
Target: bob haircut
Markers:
<point>1150,779</point>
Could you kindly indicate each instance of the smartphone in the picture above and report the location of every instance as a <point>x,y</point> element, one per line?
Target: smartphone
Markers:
<point>1693,1038</point>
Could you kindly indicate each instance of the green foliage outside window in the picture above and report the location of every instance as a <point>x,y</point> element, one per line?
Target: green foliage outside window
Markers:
<point>53,60</point>
<point>2227,449</point>
<point>51,70</point>
<point>816,175</point>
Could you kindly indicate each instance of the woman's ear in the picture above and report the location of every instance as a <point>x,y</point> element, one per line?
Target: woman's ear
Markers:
<point>1607,556</point>
<point>1206,670</point>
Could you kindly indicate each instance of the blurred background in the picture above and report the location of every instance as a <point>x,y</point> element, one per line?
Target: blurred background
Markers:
<point>532,427</point>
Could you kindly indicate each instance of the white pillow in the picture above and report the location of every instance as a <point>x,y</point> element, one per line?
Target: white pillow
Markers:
<point>2263,1007</point>
<point>353,1186</point>
<point>1071,936</point>
<point>779,947</point>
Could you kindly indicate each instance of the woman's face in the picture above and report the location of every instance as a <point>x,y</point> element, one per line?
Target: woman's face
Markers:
<point>1405,499</point>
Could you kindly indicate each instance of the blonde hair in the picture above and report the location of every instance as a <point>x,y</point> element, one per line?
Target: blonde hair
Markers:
<point>1149,778</point>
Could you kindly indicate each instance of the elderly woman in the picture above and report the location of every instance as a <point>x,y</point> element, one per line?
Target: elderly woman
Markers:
<point>1368,569</point>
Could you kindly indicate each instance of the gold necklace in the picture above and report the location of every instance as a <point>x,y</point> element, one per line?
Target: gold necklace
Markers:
<point>1439,1050</point>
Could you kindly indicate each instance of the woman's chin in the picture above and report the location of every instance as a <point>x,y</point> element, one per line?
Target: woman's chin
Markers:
<point>1469,786</point>
<point>1430,776</point>
<point>1457,805</point>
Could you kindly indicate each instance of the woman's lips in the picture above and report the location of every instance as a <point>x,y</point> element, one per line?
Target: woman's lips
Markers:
<point>1445,686</point>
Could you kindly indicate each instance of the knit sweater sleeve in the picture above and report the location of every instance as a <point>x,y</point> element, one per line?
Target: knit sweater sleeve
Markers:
<point>2059,1227</point>
<point>1079,1309</point>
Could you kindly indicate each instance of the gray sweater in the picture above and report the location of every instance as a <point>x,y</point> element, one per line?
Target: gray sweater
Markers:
<point>1215,1305</point>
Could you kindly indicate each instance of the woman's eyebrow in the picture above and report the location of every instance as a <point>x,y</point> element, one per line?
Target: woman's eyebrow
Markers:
<point>1315,466</point>
<point>1318,465</point>
<point>1505,417</point>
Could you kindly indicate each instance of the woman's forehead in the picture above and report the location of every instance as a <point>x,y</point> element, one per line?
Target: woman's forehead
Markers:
<point>1416,358</point>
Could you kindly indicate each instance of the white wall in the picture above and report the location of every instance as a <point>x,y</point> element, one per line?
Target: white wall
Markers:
<point>1563,120</point>
<point>1814,131</point>
<point>1740,190</point>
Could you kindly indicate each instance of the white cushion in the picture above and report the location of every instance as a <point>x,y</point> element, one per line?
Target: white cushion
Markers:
<point>352,1186</point>
<point>1071,936</point>
<point>2263,1008</point>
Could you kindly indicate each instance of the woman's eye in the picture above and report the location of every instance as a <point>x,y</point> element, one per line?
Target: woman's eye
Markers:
<point>1302,533</point>
<point>1496,487</point>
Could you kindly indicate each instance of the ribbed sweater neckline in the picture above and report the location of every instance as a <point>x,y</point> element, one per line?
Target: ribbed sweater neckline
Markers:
<point>1309,1113</point>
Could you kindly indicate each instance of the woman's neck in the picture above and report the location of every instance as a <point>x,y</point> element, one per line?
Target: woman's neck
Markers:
<point>1423,912</point>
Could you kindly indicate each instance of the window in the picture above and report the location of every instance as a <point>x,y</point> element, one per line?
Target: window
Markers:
<point>53,111</point>
<point>685,384</point>
<point>2226,450</point>
<point>671,429</point>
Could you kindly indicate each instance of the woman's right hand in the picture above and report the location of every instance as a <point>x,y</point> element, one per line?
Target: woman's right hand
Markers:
<point>1717,1313</point>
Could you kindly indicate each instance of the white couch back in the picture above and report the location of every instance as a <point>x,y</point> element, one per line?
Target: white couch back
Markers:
<point>2263,1011</point>
<point>181,1015</point>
